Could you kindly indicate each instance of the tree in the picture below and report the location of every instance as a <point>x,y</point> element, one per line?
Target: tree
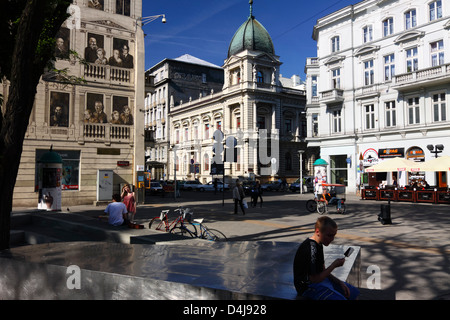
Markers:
<point>27,33</point>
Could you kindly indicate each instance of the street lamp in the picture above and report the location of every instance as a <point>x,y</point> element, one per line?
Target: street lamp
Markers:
<point>146,20</point>
<point>435,149</point>
<point>300,154</point>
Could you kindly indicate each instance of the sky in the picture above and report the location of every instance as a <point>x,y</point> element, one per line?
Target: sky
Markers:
<point>204,28</point>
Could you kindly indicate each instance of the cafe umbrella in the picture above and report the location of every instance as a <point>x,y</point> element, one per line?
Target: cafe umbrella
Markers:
<point>396,164</point>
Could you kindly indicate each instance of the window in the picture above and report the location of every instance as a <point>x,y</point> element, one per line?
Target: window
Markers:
<point>196,132</point>
<point>435,10</point>
<point>259,77</point>
<point>123,7</point>
<point>367,34</point>
<point>203,77</point>
<point>439,107</point>
<point>335,44</point>
<point>370,116</point>
<point>368,73</point>
<point>238,122</point>
<point>437,53</point>
<point>261,122</point>
<point>336,78</point>
<point>219,125</point>
<point>186,134</point>
<point>315,125</point>
<point>177,136</point>
<point>288,125</point>
<point>391,114</point>
<point>288,161</point>
<point>388,27</point>
<point>314,86</point>
<point>413,111</point>
<point>206,131</point>
<point>410,19</point>
<point>412,62</point>
<point>206,163</point>
<point>338,169</point>
<point>389,67</point>
<point>337,123</point>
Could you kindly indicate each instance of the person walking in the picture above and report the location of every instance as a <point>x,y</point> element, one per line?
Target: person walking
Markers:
<point>238,197</point>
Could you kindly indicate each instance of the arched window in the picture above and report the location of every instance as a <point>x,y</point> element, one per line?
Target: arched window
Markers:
<point>206,162</point>
<point>288,161</point>
<point>260,77</point>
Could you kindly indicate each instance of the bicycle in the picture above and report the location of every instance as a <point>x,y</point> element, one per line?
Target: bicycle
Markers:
<point>207,233</point>
<point>321,206</point>
<point>182,225</point>
<point>161,223</point>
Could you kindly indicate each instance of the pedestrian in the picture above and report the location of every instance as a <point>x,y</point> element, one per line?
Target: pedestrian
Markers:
<point>256,193</point>
<point>215,186</point>
<point>238,197</point>
<point>311,278</point>
<point>117,211</point>
<point>129,200</point>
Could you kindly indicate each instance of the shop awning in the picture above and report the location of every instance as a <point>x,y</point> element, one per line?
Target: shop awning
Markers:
<point>396,164</point>
<point>436,164</point>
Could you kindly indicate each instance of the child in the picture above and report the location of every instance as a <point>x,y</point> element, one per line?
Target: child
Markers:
<point>117,212</point>
<point>311,278</point>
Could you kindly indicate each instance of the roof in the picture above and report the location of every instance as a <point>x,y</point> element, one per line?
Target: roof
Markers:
<point>191,59</point>
<point>251,35</point>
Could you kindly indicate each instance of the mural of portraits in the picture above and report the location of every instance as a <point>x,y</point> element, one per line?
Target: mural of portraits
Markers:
<point>121,54</point>
<point>95,42</point>
<point>96,4</point>
<point>62,44</point>
<point>95,110</point>
<point>59,109</point>
<point>121,111</point>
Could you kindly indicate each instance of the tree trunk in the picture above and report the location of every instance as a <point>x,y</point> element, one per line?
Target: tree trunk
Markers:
<point>31,56</point>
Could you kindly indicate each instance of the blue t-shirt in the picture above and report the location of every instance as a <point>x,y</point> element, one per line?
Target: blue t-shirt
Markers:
<point>116,211</point>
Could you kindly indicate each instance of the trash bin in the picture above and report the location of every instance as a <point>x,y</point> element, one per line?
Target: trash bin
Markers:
<point>385,215</point>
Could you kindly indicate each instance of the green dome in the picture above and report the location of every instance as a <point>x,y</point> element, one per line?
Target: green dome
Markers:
<point>251,35</point>
<point>320,162</point>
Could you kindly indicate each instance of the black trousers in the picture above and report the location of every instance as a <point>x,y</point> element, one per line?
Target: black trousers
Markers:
<point>236,201</point>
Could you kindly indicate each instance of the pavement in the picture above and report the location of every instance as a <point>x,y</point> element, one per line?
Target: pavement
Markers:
<point>409,258</point>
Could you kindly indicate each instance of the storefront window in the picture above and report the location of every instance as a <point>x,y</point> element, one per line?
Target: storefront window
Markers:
<point>338,166</point>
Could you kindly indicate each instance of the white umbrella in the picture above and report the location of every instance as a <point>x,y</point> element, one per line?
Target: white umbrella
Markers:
<point>437,164</point>
<point>396,164</point>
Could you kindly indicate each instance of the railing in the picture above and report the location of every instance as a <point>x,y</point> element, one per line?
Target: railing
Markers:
<point>106,73</point>
<point>407,195</point>
<point>333,95</point>
<point>422,75</point>
<point>106,132</point>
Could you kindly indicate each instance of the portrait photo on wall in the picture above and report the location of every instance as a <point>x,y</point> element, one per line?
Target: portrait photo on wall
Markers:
<point>95,42</point>
<point>95,110</point>
<point>62,44</point>
<point>96,4</point>
<point>59,109</point>
<point>122,50</point>
<point>121,111</point>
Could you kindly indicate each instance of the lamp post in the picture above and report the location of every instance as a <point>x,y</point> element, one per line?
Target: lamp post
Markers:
<point>146,20</point>
<point>300,154</point>
<point>435,149</point>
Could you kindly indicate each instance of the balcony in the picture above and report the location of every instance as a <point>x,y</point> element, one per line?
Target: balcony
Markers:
<point>107,133</point>
<point>422,78</point>
<point>332,96</point>
<point>108,75</point>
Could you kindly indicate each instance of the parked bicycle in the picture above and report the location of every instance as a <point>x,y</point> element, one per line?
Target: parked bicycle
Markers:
<point>186,227</point>
<point>162,222</point>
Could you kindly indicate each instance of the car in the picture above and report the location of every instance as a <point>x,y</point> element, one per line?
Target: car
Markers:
<point>191,185</point>
<point>210,186</point>
<point>271,186</point>
<point>308,185</point>
<point>155,187</point>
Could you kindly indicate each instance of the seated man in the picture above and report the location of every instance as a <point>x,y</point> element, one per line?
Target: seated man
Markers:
<point>117,212</point>
<point>311,278</point>
<point>326,196</point>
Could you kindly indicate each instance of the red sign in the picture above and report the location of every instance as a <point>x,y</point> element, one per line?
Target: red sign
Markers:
<point>123,163</point>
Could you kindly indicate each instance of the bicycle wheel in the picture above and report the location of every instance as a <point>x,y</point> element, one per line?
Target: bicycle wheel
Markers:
<point>321,207</point>
<point>157,224</point>
<point>213,235</point>
<point>311,205</point>
<point>185,229</point>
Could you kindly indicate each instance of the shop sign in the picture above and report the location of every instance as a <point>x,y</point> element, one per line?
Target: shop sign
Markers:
<point>415,154</point>
<point>391,153</point>
<point>370,157</point>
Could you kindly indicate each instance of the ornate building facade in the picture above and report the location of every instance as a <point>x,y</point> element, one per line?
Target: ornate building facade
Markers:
<point>92,125</point>
<point>255,106</point>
